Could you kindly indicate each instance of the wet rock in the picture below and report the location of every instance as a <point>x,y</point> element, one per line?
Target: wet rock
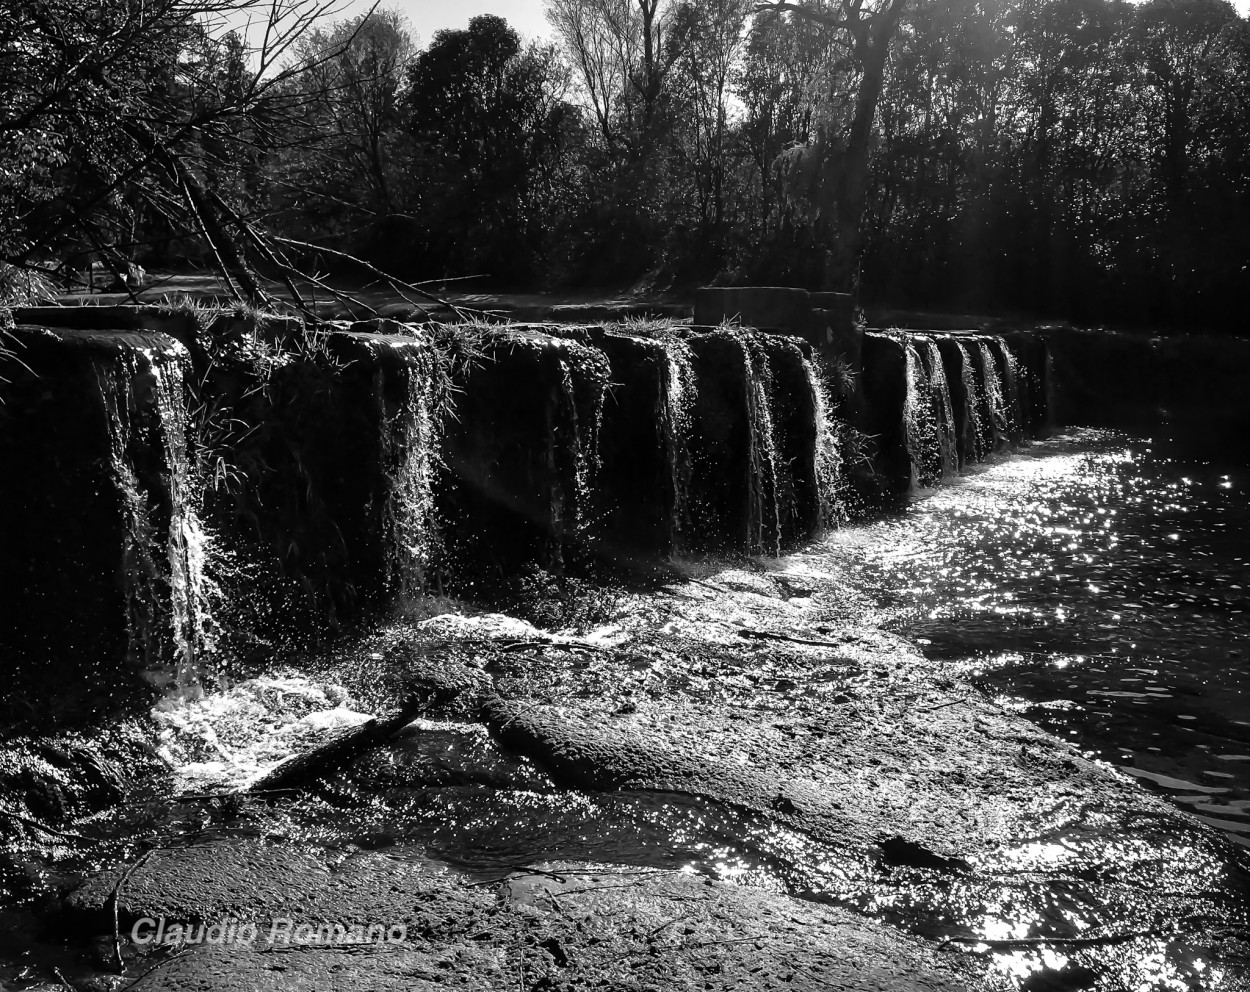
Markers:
<point>638,489</point>
<point>520,452</point>
<point>564,926</point>
<point>884,391</point>
<point>941,779</point>
<point>792,405</point>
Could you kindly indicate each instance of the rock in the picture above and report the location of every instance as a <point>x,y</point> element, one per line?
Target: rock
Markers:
<point>780,307</point>
<point>565,926</point>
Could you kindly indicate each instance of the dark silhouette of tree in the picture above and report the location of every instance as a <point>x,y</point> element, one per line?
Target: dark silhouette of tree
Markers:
<point>489,123</point>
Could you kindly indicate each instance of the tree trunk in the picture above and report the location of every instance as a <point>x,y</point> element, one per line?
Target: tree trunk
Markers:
<point>850,185</point>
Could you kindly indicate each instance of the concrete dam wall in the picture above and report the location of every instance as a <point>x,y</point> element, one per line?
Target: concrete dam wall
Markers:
<point>186,486</point>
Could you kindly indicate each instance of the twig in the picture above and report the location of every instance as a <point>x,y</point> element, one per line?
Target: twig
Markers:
<point>391,280</point>
<point>1010,943</point>
<point>765,635</point>
<point>664,926</point>
<point>939,706</point>
<point>115,899</point>
<point>710,943</point>
<point>30,822</point>
<point>181,949</point>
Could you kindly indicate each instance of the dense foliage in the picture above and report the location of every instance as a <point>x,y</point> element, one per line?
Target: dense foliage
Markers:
<point>1081,158</point>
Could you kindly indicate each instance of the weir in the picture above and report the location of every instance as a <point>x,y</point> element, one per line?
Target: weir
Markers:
<point>317,484</point>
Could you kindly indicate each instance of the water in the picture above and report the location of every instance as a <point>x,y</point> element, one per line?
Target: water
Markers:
<point>680,389</point>
<point>1100,582</point>
<point>409,439</point>
<point>830,474</point>
<point>169,593</point>
<point>763,525</point>
<point>1096,582</point>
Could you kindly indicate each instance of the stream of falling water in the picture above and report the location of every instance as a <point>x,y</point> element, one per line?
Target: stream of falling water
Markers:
<point>977,434</point>
<point>165,564</point>
<point>830,474</point>
<point>681,386</point>
<point>409,440</point>
<point>763,525</point>
<point>997,417</point>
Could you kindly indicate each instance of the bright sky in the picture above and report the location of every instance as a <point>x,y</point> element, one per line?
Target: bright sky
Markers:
<point>427,16</point>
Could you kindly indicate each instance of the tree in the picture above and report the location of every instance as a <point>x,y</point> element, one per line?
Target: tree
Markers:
<point>489,122</point>
<point>141,106</point>
<point>341,171</point>
<point>707,39</point>
<point>863,30</point>
<point>620,53</point>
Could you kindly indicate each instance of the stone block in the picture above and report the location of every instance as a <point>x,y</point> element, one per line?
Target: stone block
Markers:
<point>771,307</point>
<point>520,452</point>
<point>884,396</point>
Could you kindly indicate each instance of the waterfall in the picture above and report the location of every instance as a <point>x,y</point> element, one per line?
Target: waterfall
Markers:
<point>978,437</point>
<point>943,413</point>
<point>677,410</point>
<point>922,427</point>
<point>580,452</point>
<point>1013,409</point>
<point>763,525</point>
<point>409,451</point>
<point>995,399</point>
<point>167,589</point>
<point>830,477</point>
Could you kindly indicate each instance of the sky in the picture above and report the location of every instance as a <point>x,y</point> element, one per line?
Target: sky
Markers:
<point>526,16</point>
<point>427,16</point>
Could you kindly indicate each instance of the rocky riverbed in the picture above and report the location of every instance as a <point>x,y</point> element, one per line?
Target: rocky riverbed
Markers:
<point>731,782</point>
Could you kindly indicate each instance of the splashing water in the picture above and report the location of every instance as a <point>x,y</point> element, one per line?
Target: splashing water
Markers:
<point>923,431</point>
<point>1013,411</point>
<point>944,415</point>
<point>582,449</point>
<point>410,452</point>
<point>998,419</point>
<point>680,390</point>
<point>763,526</point>
<point>830,476</point>
<point>977,434</point>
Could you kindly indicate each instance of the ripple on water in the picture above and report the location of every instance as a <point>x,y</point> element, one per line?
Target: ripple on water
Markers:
<point>1099,578</point>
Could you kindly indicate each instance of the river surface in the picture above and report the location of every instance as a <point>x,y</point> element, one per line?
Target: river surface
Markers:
<point>1100,582</point>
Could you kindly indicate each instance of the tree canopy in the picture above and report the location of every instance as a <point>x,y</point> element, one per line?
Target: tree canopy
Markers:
<point>1080,158</point>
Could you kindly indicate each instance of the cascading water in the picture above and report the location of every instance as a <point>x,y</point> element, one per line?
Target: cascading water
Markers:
<point>977,434</point>
<point>410,439</point>
<point>580,452</point>
<point>763,525</point>
<point>1013,412</point>
<point>996,407</point>
<point>680,388</point>
<point>921,423</point>
<point>940,396</point>
<point>168,591</point>
<point>830,477</point>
